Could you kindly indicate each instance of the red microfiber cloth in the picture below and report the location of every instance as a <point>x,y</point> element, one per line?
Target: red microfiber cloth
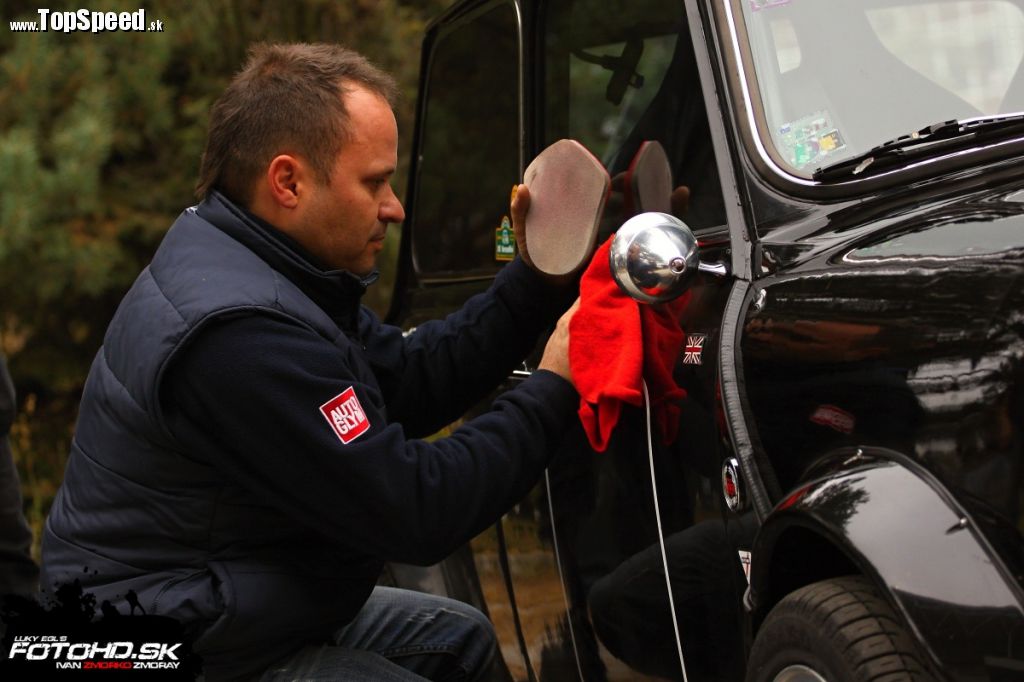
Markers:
<point>613,343</point>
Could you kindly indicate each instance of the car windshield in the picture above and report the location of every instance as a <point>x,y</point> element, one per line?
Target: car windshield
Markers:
<point>834,78</point>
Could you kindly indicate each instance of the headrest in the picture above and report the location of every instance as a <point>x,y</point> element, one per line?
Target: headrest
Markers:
<point>568,189</point>
<point>649,180</point>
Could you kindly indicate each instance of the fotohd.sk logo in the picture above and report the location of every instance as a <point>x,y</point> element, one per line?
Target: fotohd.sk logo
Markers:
<point>95,655</point>
<point>64,630</point>
<point>88,21</point>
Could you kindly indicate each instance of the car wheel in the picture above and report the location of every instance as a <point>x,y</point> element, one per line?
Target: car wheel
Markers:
<point>837,630</point>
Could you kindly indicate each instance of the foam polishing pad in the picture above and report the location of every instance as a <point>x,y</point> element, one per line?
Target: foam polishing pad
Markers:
<point>649,179</point>
<point>568,190</point>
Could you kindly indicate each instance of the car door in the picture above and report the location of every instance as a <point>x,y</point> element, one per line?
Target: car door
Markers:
<point>574,576</point>
<point>614,77</point>
<point>470,150</point>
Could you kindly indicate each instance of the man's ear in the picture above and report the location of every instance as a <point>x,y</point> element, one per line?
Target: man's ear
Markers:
<point>285,176</point>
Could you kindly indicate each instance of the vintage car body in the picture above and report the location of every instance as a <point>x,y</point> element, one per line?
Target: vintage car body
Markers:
<point>857,371</point>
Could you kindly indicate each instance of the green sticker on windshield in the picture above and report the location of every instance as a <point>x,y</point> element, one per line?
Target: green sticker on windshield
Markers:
<point>808,141</point>
<point>504,242</point>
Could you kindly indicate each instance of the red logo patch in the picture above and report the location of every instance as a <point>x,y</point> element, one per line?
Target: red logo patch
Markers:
<point>346,416</point>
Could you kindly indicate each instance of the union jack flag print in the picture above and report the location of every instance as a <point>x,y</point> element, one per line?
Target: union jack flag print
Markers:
<point>694,349</point>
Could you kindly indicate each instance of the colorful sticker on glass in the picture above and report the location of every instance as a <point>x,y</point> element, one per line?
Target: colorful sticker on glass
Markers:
<point>808,141</point>
<point>504,243</point>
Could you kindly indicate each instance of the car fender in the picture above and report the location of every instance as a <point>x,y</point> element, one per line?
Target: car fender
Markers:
<point>877,512</point>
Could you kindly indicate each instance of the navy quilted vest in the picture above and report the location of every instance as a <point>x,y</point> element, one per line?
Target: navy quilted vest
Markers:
<point>136,512</point>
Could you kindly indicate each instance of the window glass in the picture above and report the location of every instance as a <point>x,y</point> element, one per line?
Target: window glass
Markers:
<point>972,48</point>
<point>602,120</point>
<point>618,75</point>
<point>787,47</point>
<point>837,78</point>
<point>469,156</point>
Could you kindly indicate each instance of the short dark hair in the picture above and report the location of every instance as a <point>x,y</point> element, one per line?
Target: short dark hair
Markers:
<point>287,98</point>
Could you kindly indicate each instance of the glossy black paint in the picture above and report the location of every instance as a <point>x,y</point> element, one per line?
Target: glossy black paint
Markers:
<point>908,337</point>
<point>905,333</point>
<point>608,534</point>
<point>954,594</point>
<point>886,321</point>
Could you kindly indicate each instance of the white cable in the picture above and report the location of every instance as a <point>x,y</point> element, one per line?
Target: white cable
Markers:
<point>661,535</point>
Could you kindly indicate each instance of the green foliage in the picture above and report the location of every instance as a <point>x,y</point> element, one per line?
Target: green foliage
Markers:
<point>100,139</point>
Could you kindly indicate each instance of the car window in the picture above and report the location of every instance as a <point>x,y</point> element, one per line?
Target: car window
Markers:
<point>619,74</point>
<point>601,117</point>
<point>469,154</point>
<point>971,47</point>
<point>836,78</point>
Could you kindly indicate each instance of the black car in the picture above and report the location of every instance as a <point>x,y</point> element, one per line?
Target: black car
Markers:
<point>843,500</point>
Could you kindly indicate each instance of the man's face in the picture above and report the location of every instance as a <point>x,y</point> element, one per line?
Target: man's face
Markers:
<point>344,221</point>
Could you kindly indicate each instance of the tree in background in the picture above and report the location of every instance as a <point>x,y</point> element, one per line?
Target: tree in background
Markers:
<point>100,139</point>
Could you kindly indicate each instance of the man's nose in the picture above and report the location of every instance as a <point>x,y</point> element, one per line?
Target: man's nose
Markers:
<point>391,211</point>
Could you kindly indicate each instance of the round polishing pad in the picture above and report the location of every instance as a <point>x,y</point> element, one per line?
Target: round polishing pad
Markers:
<point>568,189</point>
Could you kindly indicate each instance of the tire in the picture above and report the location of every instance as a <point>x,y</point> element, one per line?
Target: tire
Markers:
<point>837,630</point>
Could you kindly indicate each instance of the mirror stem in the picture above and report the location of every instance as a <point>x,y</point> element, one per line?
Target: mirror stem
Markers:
<point>716,269</point>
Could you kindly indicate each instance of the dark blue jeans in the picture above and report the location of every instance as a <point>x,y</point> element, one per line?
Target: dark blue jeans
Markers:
<point>400,636</point>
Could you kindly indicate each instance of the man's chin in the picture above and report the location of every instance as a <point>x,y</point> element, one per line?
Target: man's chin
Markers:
<point>366,272</point>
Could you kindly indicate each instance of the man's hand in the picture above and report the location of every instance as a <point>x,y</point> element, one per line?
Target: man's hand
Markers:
<point>556,352</point>
<point>520,205</point>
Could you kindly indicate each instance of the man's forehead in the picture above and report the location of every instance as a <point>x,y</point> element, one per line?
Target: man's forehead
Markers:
<point>357,94</point>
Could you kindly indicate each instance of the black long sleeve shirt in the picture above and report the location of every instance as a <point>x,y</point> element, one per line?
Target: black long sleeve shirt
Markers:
<point>247,393</point>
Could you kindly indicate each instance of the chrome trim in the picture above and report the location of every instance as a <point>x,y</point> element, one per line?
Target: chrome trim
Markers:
<point>522,87</point>
<point>653,257</point>
<point>748,105</point>
<point>716,269</point>
<point>740,229</point>
<point>731,470</point>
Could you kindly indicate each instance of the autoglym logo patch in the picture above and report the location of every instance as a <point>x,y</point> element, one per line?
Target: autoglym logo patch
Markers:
<point>346,416</point>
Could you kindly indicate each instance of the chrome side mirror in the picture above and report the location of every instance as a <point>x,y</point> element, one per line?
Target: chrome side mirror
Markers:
<point>654,256</point>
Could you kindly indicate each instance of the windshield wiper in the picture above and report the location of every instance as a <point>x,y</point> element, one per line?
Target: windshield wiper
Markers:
<point>921,143</point>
